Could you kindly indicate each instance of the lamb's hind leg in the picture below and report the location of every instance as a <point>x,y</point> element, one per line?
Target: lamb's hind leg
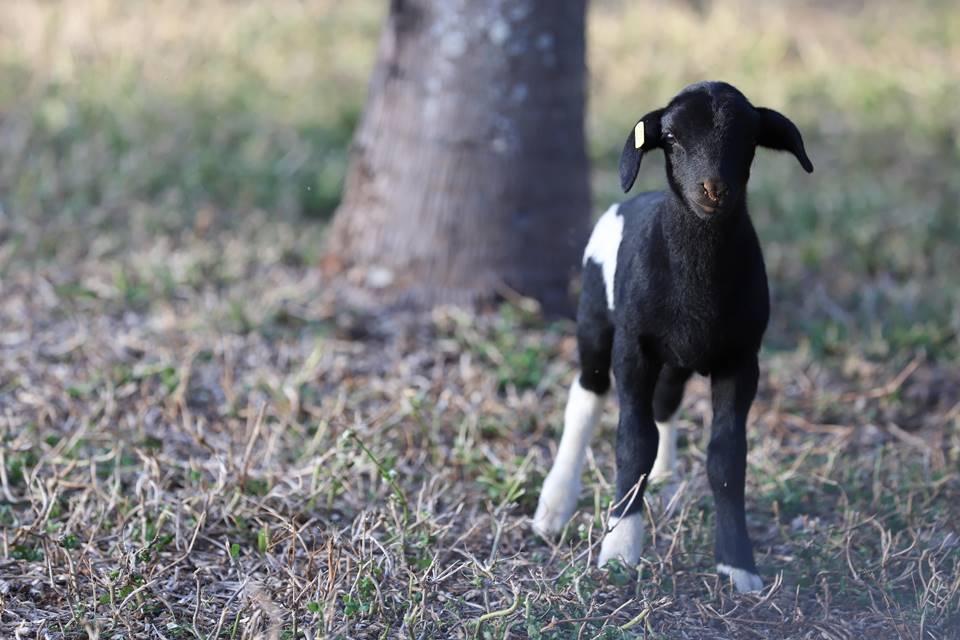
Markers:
<point>666,400</point>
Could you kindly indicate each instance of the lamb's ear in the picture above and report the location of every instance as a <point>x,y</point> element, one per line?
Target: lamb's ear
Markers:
<point>776,131</point>
<point>645,136</point>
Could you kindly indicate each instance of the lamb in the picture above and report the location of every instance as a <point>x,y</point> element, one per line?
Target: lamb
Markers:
<point>674,283</point>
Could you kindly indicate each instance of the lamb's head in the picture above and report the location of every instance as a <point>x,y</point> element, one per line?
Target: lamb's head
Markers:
<point>708,133</point>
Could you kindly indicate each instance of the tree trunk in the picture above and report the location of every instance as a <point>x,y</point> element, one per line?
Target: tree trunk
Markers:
<point>468,170</point>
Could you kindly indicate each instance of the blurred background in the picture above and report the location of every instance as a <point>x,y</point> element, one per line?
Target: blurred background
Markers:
<point>200,433</point>
<point>123,126</point>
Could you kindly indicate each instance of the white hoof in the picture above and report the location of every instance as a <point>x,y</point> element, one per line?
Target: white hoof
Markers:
<point>558,501</point>
<point>623,541</point>
<point>743,580</point>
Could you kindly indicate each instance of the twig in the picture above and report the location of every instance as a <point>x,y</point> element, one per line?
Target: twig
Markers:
<point>556,623</point>
<point>501,613</point>
<point>909,438</point>
<point>384,473</point>
<point>640,617</point>
<point>887,389</point>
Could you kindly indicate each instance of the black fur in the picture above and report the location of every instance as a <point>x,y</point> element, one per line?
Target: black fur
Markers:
<point>690,293</point>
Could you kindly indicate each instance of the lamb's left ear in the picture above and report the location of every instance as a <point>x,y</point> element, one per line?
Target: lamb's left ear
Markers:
<point>776,131</point>
<point>645,136</point>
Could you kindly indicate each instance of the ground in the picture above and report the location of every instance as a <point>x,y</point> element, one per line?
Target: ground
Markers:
<point>201,437</point>
<point>182,470</point>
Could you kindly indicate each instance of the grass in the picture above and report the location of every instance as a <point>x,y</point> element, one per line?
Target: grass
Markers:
<point>199,437</point>
<point>210,483</point>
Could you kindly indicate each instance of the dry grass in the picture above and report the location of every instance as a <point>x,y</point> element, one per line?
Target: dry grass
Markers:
<point>200,438</point>
<point>242,455</point>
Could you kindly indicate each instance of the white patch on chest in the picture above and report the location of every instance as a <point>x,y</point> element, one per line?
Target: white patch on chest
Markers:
<point>603,246</point>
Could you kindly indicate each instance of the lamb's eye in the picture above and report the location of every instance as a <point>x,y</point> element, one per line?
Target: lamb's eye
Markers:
<point>668,138</point>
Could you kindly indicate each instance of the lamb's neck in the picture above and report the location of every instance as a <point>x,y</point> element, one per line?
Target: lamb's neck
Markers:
<point>699,248</point>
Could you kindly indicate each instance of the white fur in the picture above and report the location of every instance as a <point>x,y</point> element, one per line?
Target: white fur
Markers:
<point>665,466</point>
<point>623,541</point>
<point>603,247</point>
<point>561,488</point>
<point>743,580</point>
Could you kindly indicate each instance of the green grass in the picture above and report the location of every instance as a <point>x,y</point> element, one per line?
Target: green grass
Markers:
<point>198,435</point>
<point>180,109</point>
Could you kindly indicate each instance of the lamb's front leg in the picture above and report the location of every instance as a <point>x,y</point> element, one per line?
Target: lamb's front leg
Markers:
<point>561,488</point>
<point>733,392</point>
<point>637,440</point>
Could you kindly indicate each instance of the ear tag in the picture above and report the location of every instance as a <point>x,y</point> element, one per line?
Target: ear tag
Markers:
<point>638,135</point>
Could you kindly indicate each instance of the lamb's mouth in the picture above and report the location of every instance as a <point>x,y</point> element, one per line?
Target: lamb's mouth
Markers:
<point>706,208</point>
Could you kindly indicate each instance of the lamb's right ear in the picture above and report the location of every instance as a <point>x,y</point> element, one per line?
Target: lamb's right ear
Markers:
<point>645,136</point>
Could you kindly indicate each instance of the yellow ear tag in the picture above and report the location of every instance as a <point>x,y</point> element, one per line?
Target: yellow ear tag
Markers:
<point>638,135</point>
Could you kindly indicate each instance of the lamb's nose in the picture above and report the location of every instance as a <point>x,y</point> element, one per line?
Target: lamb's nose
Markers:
<point>714,189</point>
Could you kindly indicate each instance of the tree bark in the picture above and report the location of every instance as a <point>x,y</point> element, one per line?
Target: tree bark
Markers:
<point>468,170</point>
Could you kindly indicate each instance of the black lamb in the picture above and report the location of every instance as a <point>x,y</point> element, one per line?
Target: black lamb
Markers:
<point>674,283</point>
